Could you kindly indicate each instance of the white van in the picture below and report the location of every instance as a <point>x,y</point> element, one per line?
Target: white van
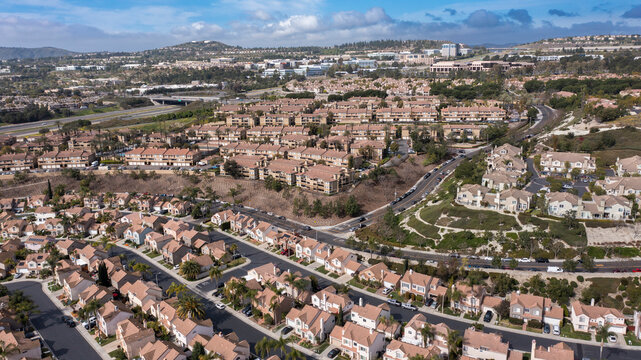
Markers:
<point>554,269</point>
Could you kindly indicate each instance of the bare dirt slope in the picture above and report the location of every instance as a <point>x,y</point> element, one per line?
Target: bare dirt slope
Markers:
<point>370,194</point>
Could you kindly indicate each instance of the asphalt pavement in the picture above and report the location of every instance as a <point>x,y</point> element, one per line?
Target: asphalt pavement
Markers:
<point>226,322</point>
<point>65,342</point>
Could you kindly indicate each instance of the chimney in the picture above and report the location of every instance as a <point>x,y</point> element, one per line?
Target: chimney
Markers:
<point>411,271</point>
<point>371,331</point>
<point>322,326</point>
<point>324,297</point>
<point>360,301</point>
<point>115,308</point>
<point>533,348</point>
<point>592,302</point>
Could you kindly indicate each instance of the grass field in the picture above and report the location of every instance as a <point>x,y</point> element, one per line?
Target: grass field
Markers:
<point>429,231</point>
<point>460,240</point>
<point>469,219</point>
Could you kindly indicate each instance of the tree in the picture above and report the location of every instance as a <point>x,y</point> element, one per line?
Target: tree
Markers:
<point>198,350</point>
<point>190,307</point>
<point>232,169</point>
<point>6,350</point>
<point>454,344</point>
<point>503,309</point>
<point>588,262</point>
<point>281,345</point>
<point>295,354</point>
<point>144,269</point>
<point>428,333</point>
<point>103,275</point>
<point>190,269</point>
<point>514,264</point>
<point>49,190</point>
<point>496,262</point>
<point>176,289</point>
<point>340,319</point>
<point>92,306</point>
<point>569,265</point>
<point>602,332</point>
<point>235,191</point>
<point>215,274</point>
<point>263,347</point>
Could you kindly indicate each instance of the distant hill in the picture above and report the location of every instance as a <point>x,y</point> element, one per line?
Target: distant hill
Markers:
<point>7,53</point>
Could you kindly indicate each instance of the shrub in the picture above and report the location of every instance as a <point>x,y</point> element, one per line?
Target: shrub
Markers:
<point>515,321</point>
<point>535,324</point>
<point>225,226</point>
<point>580,278</point>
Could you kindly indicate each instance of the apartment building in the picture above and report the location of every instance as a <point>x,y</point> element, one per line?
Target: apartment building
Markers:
<point>66,159</point>
<point>473,113</point>
<point>326,179</point>
<point>630,166</point>
<point>317,118</point>
<point>276,120</point>
<point>479,196</point>
<point>17,162</point>
<point>162,157</point>
<point>461,131</point>
<point>600,207</point>
<point>406,115</point>
<point>248,165</point>
<point>282,170</point>
<point>620,186</point>
<point>554,162</point>
<point>245,120</point>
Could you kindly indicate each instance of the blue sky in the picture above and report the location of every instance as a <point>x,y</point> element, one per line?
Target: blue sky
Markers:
<point>119,25</point>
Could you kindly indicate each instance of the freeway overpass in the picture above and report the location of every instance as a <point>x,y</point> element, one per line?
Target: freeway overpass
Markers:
<point>180,100</point>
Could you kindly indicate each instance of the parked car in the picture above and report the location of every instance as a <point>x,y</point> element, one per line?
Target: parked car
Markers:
<point>429,302</point>
<point>612,338</point>
<point>332,353</point>
<point>247,310</point>
<point>546,328</point>
<point>387,291</point>
<point>394,302</point>
<point>556,330</point>
<point>409,306</point>
<point>434,304</point>
<point>488,316</point>
<point>542,260</point>
<point>70,322</point>
<point>219,306</point>
<point>17,275</point>
<point>286,330</point>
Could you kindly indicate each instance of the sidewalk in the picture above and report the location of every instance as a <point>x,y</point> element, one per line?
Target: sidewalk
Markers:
<point>192,286</point>
<point>433,312</point>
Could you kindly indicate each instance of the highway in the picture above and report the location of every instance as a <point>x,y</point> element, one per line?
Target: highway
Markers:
<point>129,114</point>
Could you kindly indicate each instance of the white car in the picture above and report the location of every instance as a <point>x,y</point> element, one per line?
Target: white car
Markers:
<point>612,338</point>
<point>556,330</point>
<point>387,291</point>
<point>219,306</point>
<point>526,260</point>
<point>176,267</point>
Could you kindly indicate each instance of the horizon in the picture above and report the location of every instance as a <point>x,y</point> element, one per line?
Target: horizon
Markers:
<point>137,25</point>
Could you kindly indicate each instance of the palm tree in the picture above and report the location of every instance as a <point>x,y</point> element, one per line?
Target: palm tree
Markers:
<point>189,306</point>
<point>281,344</point>
<point>454,344</point>
<point>295,354</point>
<point>92,306</point>
<point>233,248</point>
<point>602,332</point>
<point>176,289</point>
<point>7,349</point>
<point>263,347</point>
<point>190,269</point>
<point>215,274</point>
<point>428,333</point>
<point>143,268</point>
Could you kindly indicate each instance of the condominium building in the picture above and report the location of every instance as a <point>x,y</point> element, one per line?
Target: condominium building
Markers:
<point>162,157</point>
<point>66,159</point>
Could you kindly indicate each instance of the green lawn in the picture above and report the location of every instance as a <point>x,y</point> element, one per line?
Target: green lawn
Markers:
<point>630,339</point>
<point>567,331</point>
<point>604,286</point>
<point>322,270</point>
<point>574,237</point>
<point>428,231</point>
<point>356,284</point>
<point>335,276</point>
<point>469,219</point>
<point>460,240</point>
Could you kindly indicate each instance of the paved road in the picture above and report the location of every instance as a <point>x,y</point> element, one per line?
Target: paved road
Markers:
<point>136,113</point>
<point>223,321</point>
<point>65,342</point>
<point>517,341</point>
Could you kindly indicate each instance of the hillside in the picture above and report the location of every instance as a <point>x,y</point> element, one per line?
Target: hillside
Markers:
<point>7,53</point>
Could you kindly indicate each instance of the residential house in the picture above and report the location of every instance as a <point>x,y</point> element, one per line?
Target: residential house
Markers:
<point>310,323</point>
<point>33,264</point>
<point>19,346</point>
<point>532,307</point>
<point>268,302</point>
<point>338,260</point>
<point>141,291</point>
<point>110,315</point>
<point>161,350</point>
<point>330,301</point>
<point>225,347</point>
<point>629,166</point>
<point>173,252</point>
<point>397,350</point>
<point>471,297</point>
<point>565,162</point>
<point>588,318</point>
<point>357,342</point>
<point>559,351</point>
<point>133,336</point>
<point>76,283</point>
<point>480,345</point>
<point>377,318</point>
